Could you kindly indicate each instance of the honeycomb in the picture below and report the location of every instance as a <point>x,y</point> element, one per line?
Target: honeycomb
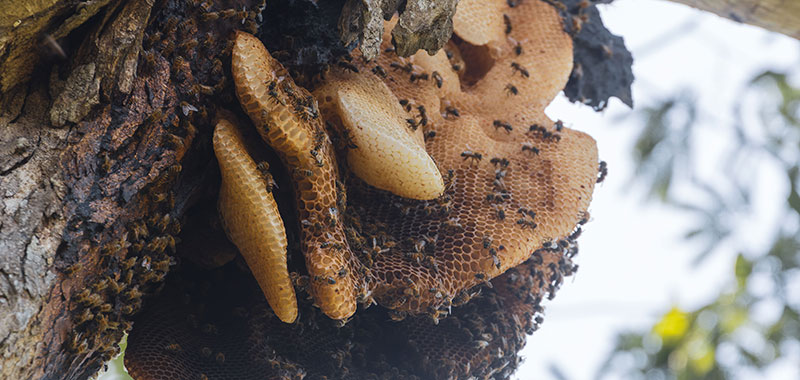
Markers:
<point>252,221</point>
<point>381,149</point>
<point>515,180</point>
<point>215,325</point>
<point>286,117</point>
<point>485,253</point>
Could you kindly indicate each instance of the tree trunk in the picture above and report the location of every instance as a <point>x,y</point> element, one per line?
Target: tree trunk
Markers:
<point>90,162</point>
<point>782,16</point>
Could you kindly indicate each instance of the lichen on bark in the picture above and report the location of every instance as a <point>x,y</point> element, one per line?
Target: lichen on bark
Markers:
<point>422,24</point>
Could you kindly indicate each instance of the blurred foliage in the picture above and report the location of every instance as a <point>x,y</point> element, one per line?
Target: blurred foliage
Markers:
<point>756,321</point>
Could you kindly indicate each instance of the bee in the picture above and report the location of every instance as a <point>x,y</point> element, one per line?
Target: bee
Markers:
<point>537,128</point>
<point>150,58</point>
<point>274,93</point>
<point>412,123</point>
<point>85,317</point>
<point>415,77</point>
<point>513,3</point>
<point>603,169</point>
<point>502,124</point>
<point>210,16</point>
<point>499,185</point>
<point>452,223</point>
<point>100,285</point>
<point>70,270</point>
<point>204,89</point>
<point>507,22</point>
<point>474,156</point>
<point>499,161</point>
<point>452,111</point>
<point>456,67</point>
<point>167,46</point>
<point>348,66</point>
<point>348,141</point>
<point>380,71</point>
<point>287,88</point>
<point>155,118</point>
<point>115,286</point>
<point>189,45</point>
<point>397,316</point>
<point>526,223</point>
<point>446,203</point>
<point>406,104</point>
<point>390,49</point>
<point>530,148</point>
<point>104,324</point>
<point>429,135</point>
<point>577,24</point>
<point>217,68</point>
<point>527,212</point>
<point>171,24</point>
<point>516,67</point>
<point>487,242</point>
<point>559,125</point>
<point>317,158</point>
<point>151,39</point>
<point>496,261</point>
<point>492,197</point>
<point>607,51</point>
<point>408,67</point>
<point>430,263</point>
<point>501,215</point>
<point>438,78</point>
<point>304,172</point>
<point>511,89</point>
<point>518,49</point>
<point>577,71</point>
<point>133,293</point>
<point>423,116</point>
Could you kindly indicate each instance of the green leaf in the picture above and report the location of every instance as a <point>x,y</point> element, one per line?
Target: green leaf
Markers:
<point>743,268</point>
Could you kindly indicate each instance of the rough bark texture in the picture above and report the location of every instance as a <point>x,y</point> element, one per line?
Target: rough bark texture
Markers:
<point>86,210</point>
<point>782,16</point>
<point>32,191</point>
<point>422,24</point>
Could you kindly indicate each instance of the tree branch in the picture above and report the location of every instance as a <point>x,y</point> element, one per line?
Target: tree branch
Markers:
<point>782,16</point>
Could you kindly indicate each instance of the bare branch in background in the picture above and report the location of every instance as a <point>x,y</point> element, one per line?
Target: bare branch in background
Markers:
<point>776,15</point>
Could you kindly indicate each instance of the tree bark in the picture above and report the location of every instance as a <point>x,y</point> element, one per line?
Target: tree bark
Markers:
<point>782,16</point>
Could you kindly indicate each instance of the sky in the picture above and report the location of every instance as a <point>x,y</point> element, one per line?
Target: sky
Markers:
<point>634,264</point>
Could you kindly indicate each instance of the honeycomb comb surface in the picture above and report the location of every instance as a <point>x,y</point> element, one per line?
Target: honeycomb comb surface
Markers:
<point>252,221</point>
<point>387,154</point>
<point>284,116</point>
<point>414,256</point>
<point>529,187</point>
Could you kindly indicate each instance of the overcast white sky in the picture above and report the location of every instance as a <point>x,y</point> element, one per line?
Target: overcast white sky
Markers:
<point>633,262</point>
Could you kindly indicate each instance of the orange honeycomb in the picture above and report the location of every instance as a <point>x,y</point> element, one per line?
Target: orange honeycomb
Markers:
<point>252,221</point>
<point>515,183</point>
<point>285,115</point>
<point>514,179</point>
